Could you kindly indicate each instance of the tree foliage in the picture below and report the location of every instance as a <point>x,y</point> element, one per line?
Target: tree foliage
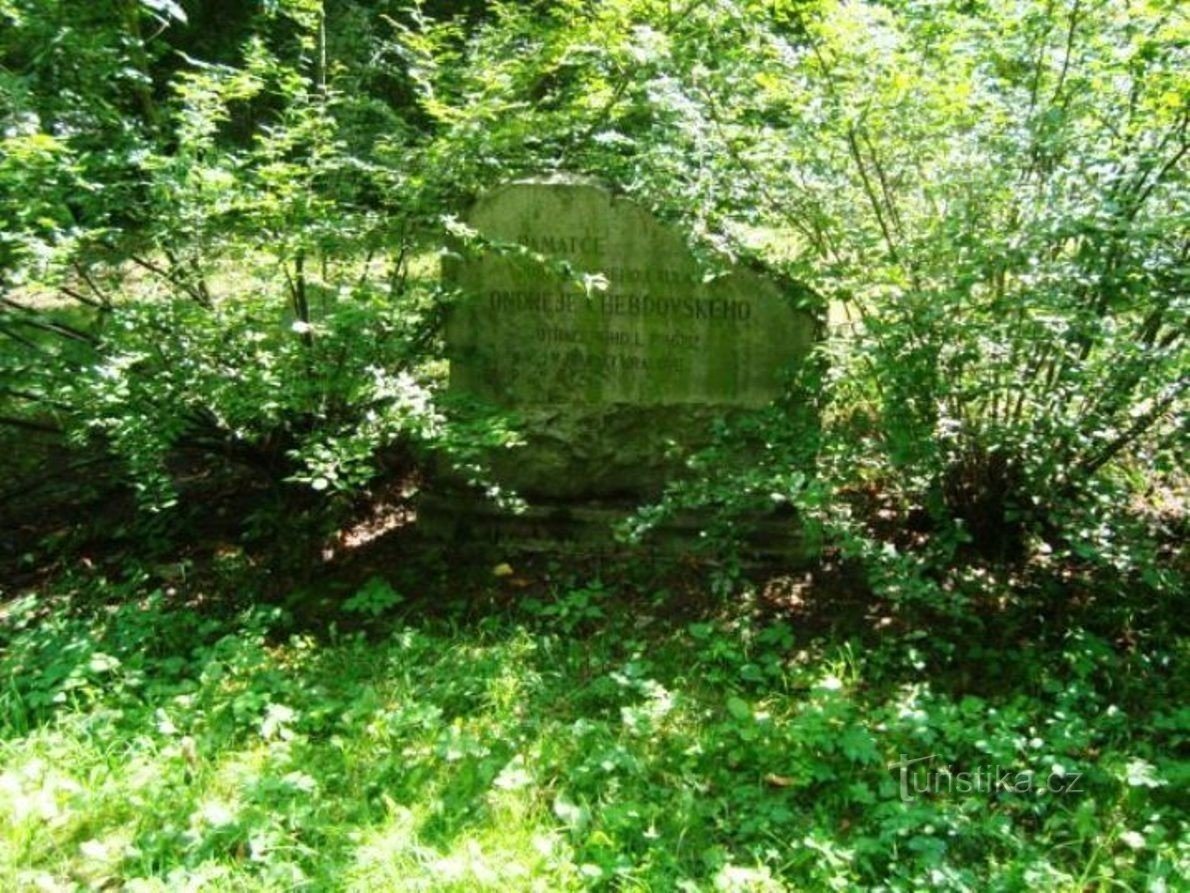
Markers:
<point>992,199</point>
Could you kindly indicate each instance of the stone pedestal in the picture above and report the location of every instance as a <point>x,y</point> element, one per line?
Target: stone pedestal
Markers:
<point>468,523</point>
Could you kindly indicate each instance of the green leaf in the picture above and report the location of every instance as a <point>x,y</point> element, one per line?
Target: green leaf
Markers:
<point>739,708</point>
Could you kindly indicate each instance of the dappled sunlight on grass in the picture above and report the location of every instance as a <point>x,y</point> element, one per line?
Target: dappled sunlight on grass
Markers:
<point>721,754</point>
<point>515,848</point>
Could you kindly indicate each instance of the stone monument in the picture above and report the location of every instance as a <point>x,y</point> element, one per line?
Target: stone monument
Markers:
<point>593,323</point>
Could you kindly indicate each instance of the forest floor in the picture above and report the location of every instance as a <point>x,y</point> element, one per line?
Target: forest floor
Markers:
<point>182,712</point>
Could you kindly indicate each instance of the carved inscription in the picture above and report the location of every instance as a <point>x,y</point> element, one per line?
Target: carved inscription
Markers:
<point>650,330</point>
<point>582,339</point>
<point>621,303</point>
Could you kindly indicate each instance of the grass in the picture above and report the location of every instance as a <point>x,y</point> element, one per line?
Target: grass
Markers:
<point>579,737</point>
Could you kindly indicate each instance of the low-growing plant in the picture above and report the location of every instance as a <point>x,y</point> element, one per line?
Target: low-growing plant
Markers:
<point>162,746</point>
<point>374,598</point>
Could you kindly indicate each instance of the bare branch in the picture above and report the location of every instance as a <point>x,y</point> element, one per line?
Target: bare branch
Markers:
<point>35,319</point>
<point>104,299</point>
<point>1070,32</point>
<point>173,278</point>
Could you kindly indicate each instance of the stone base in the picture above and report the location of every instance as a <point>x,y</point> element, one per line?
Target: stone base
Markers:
<point>466,523</point>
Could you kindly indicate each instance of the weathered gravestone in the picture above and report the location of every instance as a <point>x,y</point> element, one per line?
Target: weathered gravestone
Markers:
<point>612,384</point>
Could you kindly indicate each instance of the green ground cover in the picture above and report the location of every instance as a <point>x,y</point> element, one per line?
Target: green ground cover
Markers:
<point>574,735</point>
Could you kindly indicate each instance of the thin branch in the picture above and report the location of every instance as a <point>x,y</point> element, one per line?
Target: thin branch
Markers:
<point>172,278</point>
<point>32,345</point>
<point>1070,32</point>
<point>399,272</point>
<point>200,286</point>
<point>104,299</point>
<point>363,276</point>
<point>39,322</point>
<point>1169,165</point>
<point>1091,465</point>
<point>885,190</point>
<point>83,299</point>
<point>857,157</point>
<point>1035,86</point>
<point>300,301</point>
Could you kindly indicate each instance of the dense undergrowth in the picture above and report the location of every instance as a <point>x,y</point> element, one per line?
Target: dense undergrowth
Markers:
<point>558,727</point>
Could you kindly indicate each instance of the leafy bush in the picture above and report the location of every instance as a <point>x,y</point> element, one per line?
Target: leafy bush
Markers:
<point>275,309</point>
<point>995,217</point>
<point>991,200</point>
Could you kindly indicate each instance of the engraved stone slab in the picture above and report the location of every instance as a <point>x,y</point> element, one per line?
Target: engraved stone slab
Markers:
<point>608,380</point>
